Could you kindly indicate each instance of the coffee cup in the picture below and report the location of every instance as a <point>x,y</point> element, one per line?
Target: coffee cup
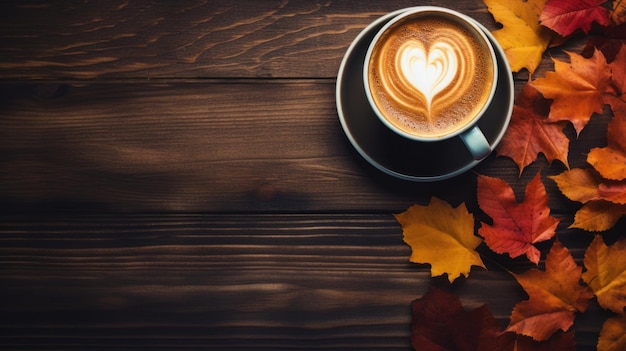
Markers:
<point>430,73</point>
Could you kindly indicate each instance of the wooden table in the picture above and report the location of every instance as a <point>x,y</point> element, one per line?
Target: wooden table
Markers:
<point>173,175</point>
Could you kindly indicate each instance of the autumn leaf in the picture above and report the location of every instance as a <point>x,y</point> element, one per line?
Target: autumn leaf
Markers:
<point>610,161</point>
<point>618,70</point>
<point>557,342</point>
<point>579,184</point>
<point>567,16</point>
<point>529,133</point>
<point>614,192</point>
<point>442,236</point>
<point>598,216</point>
<point>516,226</point>
<point>522,37</point>
<point>613,334</point>
<point>618,14</point>
<point>577,88</point>
<point>616,93</point>
<point>554,296</point>
<point>608,47</point>
<point>603,199</point>
<point>606,273</point>
<point>440,323</point>
<point>585,185</point>
<point>610,42</point>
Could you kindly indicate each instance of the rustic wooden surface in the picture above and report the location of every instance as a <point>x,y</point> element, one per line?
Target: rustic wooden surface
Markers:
<point>173,175</point>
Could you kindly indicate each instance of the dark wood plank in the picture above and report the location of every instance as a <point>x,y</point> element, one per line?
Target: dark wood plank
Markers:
<point>190,39</point>
<point>190,147</point>
<point>207,147</point>
<point>228,282</point>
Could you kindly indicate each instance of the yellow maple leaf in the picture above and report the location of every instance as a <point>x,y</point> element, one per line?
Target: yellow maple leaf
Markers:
<point>598,216</point>
<point>522,37</point>
<point>606,273</point>
<point>613,334</point>
<point>441,236</point>
<point>603,200</point>
<point>578,184</point>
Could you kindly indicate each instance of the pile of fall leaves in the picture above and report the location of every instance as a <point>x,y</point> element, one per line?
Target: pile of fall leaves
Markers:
<point>572,93</point>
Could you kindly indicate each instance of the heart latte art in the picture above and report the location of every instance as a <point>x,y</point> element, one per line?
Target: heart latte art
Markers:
<point>429,72</point>
<point>430,76</point>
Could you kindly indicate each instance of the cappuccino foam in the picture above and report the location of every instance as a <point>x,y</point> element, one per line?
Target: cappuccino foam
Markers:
<point>430,76</point>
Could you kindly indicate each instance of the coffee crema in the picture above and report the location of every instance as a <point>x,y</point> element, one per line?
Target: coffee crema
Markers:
<point>429,75</point>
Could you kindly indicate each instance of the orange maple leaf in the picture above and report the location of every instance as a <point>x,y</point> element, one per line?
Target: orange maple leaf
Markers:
<point>522,37</point>
<point>442,236</point>
<point>604,200</point>
<point>579,184</point>
<point>554,296</point>
<point>606,273</point>
<point>577,88</point>
<point>530,133</point>
<point>516,226</point>
<point>585,185</point>
<point>613,334</point>
<point>598,216</point>
<point>610,161</point>
<point>618,72</point>
<point>616,92</point>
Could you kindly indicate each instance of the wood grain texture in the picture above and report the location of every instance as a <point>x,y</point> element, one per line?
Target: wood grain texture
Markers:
<point>227,282</point>
<point>193,147</point>
<point>202,147</point>
<point>190,39</point>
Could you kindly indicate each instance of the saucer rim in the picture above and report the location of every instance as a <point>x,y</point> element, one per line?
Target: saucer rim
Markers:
<point>506,80</point>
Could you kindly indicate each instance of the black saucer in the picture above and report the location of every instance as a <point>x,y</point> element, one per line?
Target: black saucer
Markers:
<point>400,157</point>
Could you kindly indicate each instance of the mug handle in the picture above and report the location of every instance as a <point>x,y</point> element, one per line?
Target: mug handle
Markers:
<point>476,143</point>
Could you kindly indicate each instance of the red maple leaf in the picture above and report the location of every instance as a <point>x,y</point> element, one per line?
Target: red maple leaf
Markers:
<point>531,133</point>
<point>567,16</point>
<point>440,323</point>
<point>516,226</point>
<point>609,42</point>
